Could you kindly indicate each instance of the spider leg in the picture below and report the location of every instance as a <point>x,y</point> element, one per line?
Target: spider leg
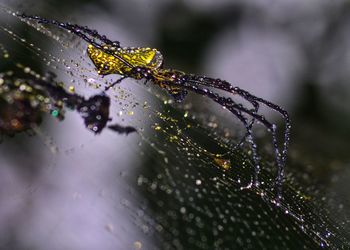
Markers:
<point>226,86</point>
<point>237,110</point>
<point>89,35</point>
<point>277,109</point>
<point>283,155</point>
<point>83,32</point>
<point>116,82</point>
<point>254,100</point>
<point>247,137</point>
<point>271,128</point>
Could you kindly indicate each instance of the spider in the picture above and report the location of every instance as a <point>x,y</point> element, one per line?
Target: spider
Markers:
<point>147,63</point>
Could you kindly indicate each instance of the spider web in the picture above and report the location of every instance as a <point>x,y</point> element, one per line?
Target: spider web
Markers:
<point>175,184</point>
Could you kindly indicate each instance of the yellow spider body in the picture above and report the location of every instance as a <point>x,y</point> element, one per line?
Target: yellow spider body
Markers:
<point>123,60</point>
